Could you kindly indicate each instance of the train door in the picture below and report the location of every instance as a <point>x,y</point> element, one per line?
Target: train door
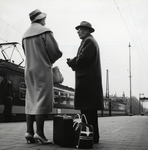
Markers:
<point>14,102</point>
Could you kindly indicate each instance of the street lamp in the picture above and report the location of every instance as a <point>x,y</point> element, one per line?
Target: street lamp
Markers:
<point>139,101</point>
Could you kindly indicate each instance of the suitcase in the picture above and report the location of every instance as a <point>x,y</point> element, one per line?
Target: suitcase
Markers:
<point>63,132</point>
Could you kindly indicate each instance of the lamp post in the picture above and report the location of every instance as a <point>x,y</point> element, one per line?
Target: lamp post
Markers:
<point>139,102</point>
<point>143,99</point>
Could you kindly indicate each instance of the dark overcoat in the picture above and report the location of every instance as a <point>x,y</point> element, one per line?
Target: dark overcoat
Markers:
<point>87,67</point>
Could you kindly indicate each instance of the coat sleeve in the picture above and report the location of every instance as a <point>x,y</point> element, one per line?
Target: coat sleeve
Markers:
<point>72,63</point>
<point>84,57</point>
<point>52,48</point>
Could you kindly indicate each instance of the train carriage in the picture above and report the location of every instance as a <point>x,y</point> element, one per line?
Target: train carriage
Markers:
<point>13,89</point>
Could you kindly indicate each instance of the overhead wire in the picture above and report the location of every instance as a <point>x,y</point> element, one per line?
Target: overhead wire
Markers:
<point>113,86</point>
<point>126,77</point>
<point>120,15</point>
<point>133,39</point>
<point>21,45</point>
<point>130,34</point>
<point>3,40</point>
<point>65,70</point>
<point>11,26</point>
<point>137,31</point>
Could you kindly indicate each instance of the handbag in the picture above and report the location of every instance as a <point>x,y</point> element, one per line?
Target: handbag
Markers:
<point>84,132</point>
<point>57,76</point>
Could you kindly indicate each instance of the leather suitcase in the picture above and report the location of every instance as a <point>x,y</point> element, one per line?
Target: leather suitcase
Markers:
<point>63,132</point>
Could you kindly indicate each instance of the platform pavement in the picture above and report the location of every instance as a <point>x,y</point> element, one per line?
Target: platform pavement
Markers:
<point>116,133</point>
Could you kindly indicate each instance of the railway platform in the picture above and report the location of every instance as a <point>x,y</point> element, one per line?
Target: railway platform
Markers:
<point>116,133</point>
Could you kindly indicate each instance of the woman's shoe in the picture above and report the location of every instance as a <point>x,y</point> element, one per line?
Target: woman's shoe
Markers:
<point>29,138</point>
<point>39,139</point>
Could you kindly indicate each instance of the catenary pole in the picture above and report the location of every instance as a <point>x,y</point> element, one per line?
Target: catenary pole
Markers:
<point>130,82</point>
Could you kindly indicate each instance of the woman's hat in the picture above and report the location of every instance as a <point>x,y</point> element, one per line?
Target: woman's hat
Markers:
<point>37,15</point>
<point>85,24</point>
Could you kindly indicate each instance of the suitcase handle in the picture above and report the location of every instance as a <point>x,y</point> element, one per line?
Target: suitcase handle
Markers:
<point>83,116</point>
<point>80,118</point>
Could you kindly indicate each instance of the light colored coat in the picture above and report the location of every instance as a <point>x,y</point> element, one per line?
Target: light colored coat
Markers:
<point>41,51</point>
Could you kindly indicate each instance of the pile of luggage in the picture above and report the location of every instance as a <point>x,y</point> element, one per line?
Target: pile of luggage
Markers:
<point>72,132</point>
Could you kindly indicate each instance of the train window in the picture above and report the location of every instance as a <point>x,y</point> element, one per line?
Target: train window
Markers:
<point>71,102</point>
<point>106,105</point>
<point>71,99</point>
<point>56,93</point>
<point>63,98</point>
<point>56,96</point>
<point>22,90</point>
<point>118,106</point>
<point>62,94</point>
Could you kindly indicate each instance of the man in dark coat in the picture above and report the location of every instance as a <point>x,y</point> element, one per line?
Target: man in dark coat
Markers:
<point>88,85</point>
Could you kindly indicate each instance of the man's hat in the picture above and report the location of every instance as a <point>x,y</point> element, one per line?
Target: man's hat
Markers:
<point>37,15</point>
<point>85,24</point>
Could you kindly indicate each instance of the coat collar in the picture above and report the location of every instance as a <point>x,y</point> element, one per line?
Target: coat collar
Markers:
<point>88,36</point>
<point>35,29</point>
<point>82,43</point>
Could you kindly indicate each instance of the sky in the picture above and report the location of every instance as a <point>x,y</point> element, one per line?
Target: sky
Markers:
<point>116,22</point>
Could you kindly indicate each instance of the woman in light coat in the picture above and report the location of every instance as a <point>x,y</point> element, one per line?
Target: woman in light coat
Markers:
<point>41,51</point>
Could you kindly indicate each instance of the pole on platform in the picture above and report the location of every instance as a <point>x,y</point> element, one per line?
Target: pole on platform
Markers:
<point>107,91</point>
<point>139,103</point>
<point>130,82</point>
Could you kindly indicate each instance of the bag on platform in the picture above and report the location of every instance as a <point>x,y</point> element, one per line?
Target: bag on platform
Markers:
<point>57,76</point>
<point>83,132</point>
